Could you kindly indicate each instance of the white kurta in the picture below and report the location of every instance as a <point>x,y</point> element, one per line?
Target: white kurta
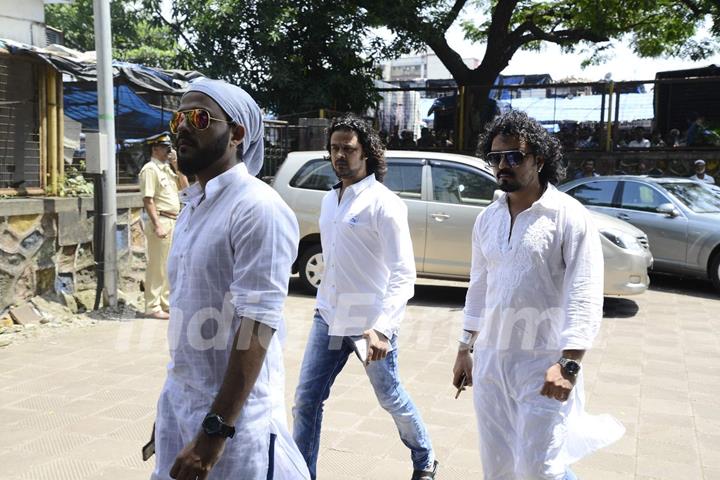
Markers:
<point>231,256</point>
<point>534,291</point>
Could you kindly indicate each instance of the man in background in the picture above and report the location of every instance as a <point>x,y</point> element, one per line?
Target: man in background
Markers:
<point>160,182</point>
<point>700,174</point>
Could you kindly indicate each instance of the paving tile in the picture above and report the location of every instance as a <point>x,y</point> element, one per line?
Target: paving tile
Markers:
<point>98,387</point>
<point>711,473</point>
<point>62,469</point>
<point>676,451</point>
<point>662,469</point>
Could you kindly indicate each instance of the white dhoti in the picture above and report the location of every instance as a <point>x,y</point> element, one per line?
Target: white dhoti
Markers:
<point>524,435</point>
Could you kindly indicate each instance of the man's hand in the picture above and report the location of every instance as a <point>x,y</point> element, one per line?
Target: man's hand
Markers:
<point>378,345</point>
<point>198,457</point>
<point>463,367</point>
<point>557,384</point>
<point>172,159</point>
<point>160,231</point>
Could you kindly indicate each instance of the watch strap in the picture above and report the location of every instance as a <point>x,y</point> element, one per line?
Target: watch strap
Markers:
<point>466,340</point>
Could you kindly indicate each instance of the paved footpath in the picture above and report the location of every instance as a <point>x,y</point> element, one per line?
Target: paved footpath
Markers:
<point>80,403</point>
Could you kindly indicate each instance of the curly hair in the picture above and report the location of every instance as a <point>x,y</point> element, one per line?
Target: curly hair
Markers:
<point>540,143</point>
<point>369,140</point>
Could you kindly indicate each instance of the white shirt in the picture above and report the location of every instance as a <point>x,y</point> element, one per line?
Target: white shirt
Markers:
<point>539,287</point>
<point>644,143</point>
<point>232,251</point>
<point>369,262</point>
<point>707,179</point>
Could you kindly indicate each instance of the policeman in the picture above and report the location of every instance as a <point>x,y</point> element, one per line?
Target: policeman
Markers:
<point>160,181</point>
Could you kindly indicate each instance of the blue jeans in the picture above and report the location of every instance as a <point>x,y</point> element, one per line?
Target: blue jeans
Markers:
<point>325,357</point>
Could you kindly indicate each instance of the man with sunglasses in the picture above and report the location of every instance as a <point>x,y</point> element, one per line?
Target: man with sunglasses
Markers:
<point>533,308</point>
<point>221,413</point>
<point>160,182</point>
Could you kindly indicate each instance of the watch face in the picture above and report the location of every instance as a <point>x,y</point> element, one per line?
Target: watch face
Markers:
<point>211,425</point>
<point>572,367</point>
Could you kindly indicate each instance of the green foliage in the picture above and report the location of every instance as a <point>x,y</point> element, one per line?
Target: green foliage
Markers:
<point>137,35</point>
<point>295,56</point>
<point>299,56</point>
<point>650,27</point>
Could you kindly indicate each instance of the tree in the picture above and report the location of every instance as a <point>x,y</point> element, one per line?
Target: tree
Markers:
<point>137,36</point>
<point>295,56</point>
<point>652,28</point>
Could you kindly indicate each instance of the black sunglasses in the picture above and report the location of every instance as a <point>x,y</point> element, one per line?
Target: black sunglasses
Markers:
<point>514,158</point>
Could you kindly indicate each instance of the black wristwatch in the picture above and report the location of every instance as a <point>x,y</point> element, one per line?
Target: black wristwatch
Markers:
<point>215,426</point>
<point>569,366</point>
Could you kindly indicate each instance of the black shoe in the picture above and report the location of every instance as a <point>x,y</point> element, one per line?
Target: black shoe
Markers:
<point>426,474</point>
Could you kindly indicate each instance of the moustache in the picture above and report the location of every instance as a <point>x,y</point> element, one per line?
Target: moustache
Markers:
<point>186,139</point>
<point>509,173</point>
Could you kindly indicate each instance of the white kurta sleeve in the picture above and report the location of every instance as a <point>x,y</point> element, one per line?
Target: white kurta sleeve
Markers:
<point>399,258</point>
<point>264,240</point>
<point>477,290</point>
<point>583,282</point>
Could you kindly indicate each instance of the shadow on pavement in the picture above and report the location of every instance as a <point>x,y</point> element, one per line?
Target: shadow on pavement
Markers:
<point>614,307</point>
<point>295,288</point>
<point>439,296</point>
<point>683,286</point>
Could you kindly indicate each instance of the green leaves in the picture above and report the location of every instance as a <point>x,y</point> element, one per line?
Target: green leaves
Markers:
<point>137,34</point>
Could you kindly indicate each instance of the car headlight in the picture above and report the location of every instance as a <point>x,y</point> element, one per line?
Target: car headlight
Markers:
<point>622,239</point>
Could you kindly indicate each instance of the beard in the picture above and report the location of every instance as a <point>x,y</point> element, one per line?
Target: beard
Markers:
<point>344,171</point>
<point>198,159</point>
<point>509,187</point>
<point>508,184</point>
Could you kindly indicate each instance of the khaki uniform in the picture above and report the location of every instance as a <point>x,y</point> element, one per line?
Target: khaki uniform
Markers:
<point>157,180</point>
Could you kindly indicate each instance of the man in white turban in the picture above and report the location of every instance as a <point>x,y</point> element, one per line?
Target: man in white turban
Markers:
<point>221,413</point>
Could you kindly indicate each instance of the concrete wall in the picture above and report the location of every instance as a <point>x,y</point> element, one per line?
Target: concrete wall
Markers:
<point>46,245</point>
<point>23,21</point>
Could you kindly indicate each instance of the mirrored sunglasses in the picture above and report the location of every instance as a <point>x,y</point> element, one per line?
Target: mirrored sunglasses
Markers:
<point>514,158</point>
<point>199,119</point>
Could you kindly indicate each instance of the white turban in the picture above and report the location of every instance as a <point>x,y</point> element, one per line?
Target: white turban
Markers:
<point>242,109</point>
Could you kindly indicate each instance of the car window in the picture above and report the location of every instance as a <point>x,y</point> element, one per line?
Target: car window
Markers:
<point>316,174</point>
<point>598,194</point>
<point>698,198</point>
<point>639,196</point>
<point>461,185</point>
<point>405,179</point>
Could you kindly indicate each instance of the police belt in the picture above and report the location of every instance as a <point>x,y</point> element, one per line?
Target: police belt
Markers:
<point>169,215</point>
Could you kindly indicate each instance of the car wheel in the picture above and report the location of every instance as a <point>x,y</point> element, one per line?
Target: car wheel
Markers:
<point>715,271</point>
<point>311,268</point>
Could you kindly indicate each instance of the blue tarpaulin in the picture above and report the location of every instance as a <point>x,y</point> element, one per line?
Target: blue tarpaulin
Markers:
<point>135,117</point>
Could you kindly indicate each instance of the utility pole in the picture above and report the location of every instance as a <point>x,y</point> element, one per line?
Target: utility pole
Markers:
<point>106,122</point>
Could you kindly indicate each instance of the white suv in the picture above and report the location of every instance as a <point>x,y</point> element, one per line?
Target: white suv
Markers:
<point>444,194</point>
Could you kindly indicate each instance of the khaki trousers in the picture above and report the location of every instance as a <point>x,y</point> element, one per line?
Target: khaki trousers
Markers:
<point>157,288</point>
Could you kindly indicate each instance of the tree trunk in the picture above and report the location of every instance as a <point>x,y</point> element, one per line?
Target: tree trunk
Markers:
<point>477,111</point>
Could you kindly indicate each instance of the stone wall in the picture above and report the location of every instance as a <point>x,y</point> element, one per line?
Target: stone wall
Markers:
<point>46,244</point>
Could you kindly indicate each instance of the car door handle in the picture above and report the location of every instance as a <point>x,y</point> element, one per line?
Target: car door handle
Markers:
<point>623,216</point>
<point>440,216</point>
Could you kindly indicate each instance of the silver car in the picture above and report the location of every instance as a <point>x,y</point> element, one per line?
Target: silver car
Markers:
<point>681,218</point>
<point>444,194</point>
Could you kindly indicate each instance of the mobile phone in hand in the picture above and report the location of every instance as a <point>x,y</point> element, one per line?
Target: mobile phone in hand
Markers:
<point>463,381</point>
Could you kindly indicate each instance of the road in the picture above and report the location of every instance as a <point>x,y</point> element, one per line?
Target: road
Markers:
<point>79,404</point>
